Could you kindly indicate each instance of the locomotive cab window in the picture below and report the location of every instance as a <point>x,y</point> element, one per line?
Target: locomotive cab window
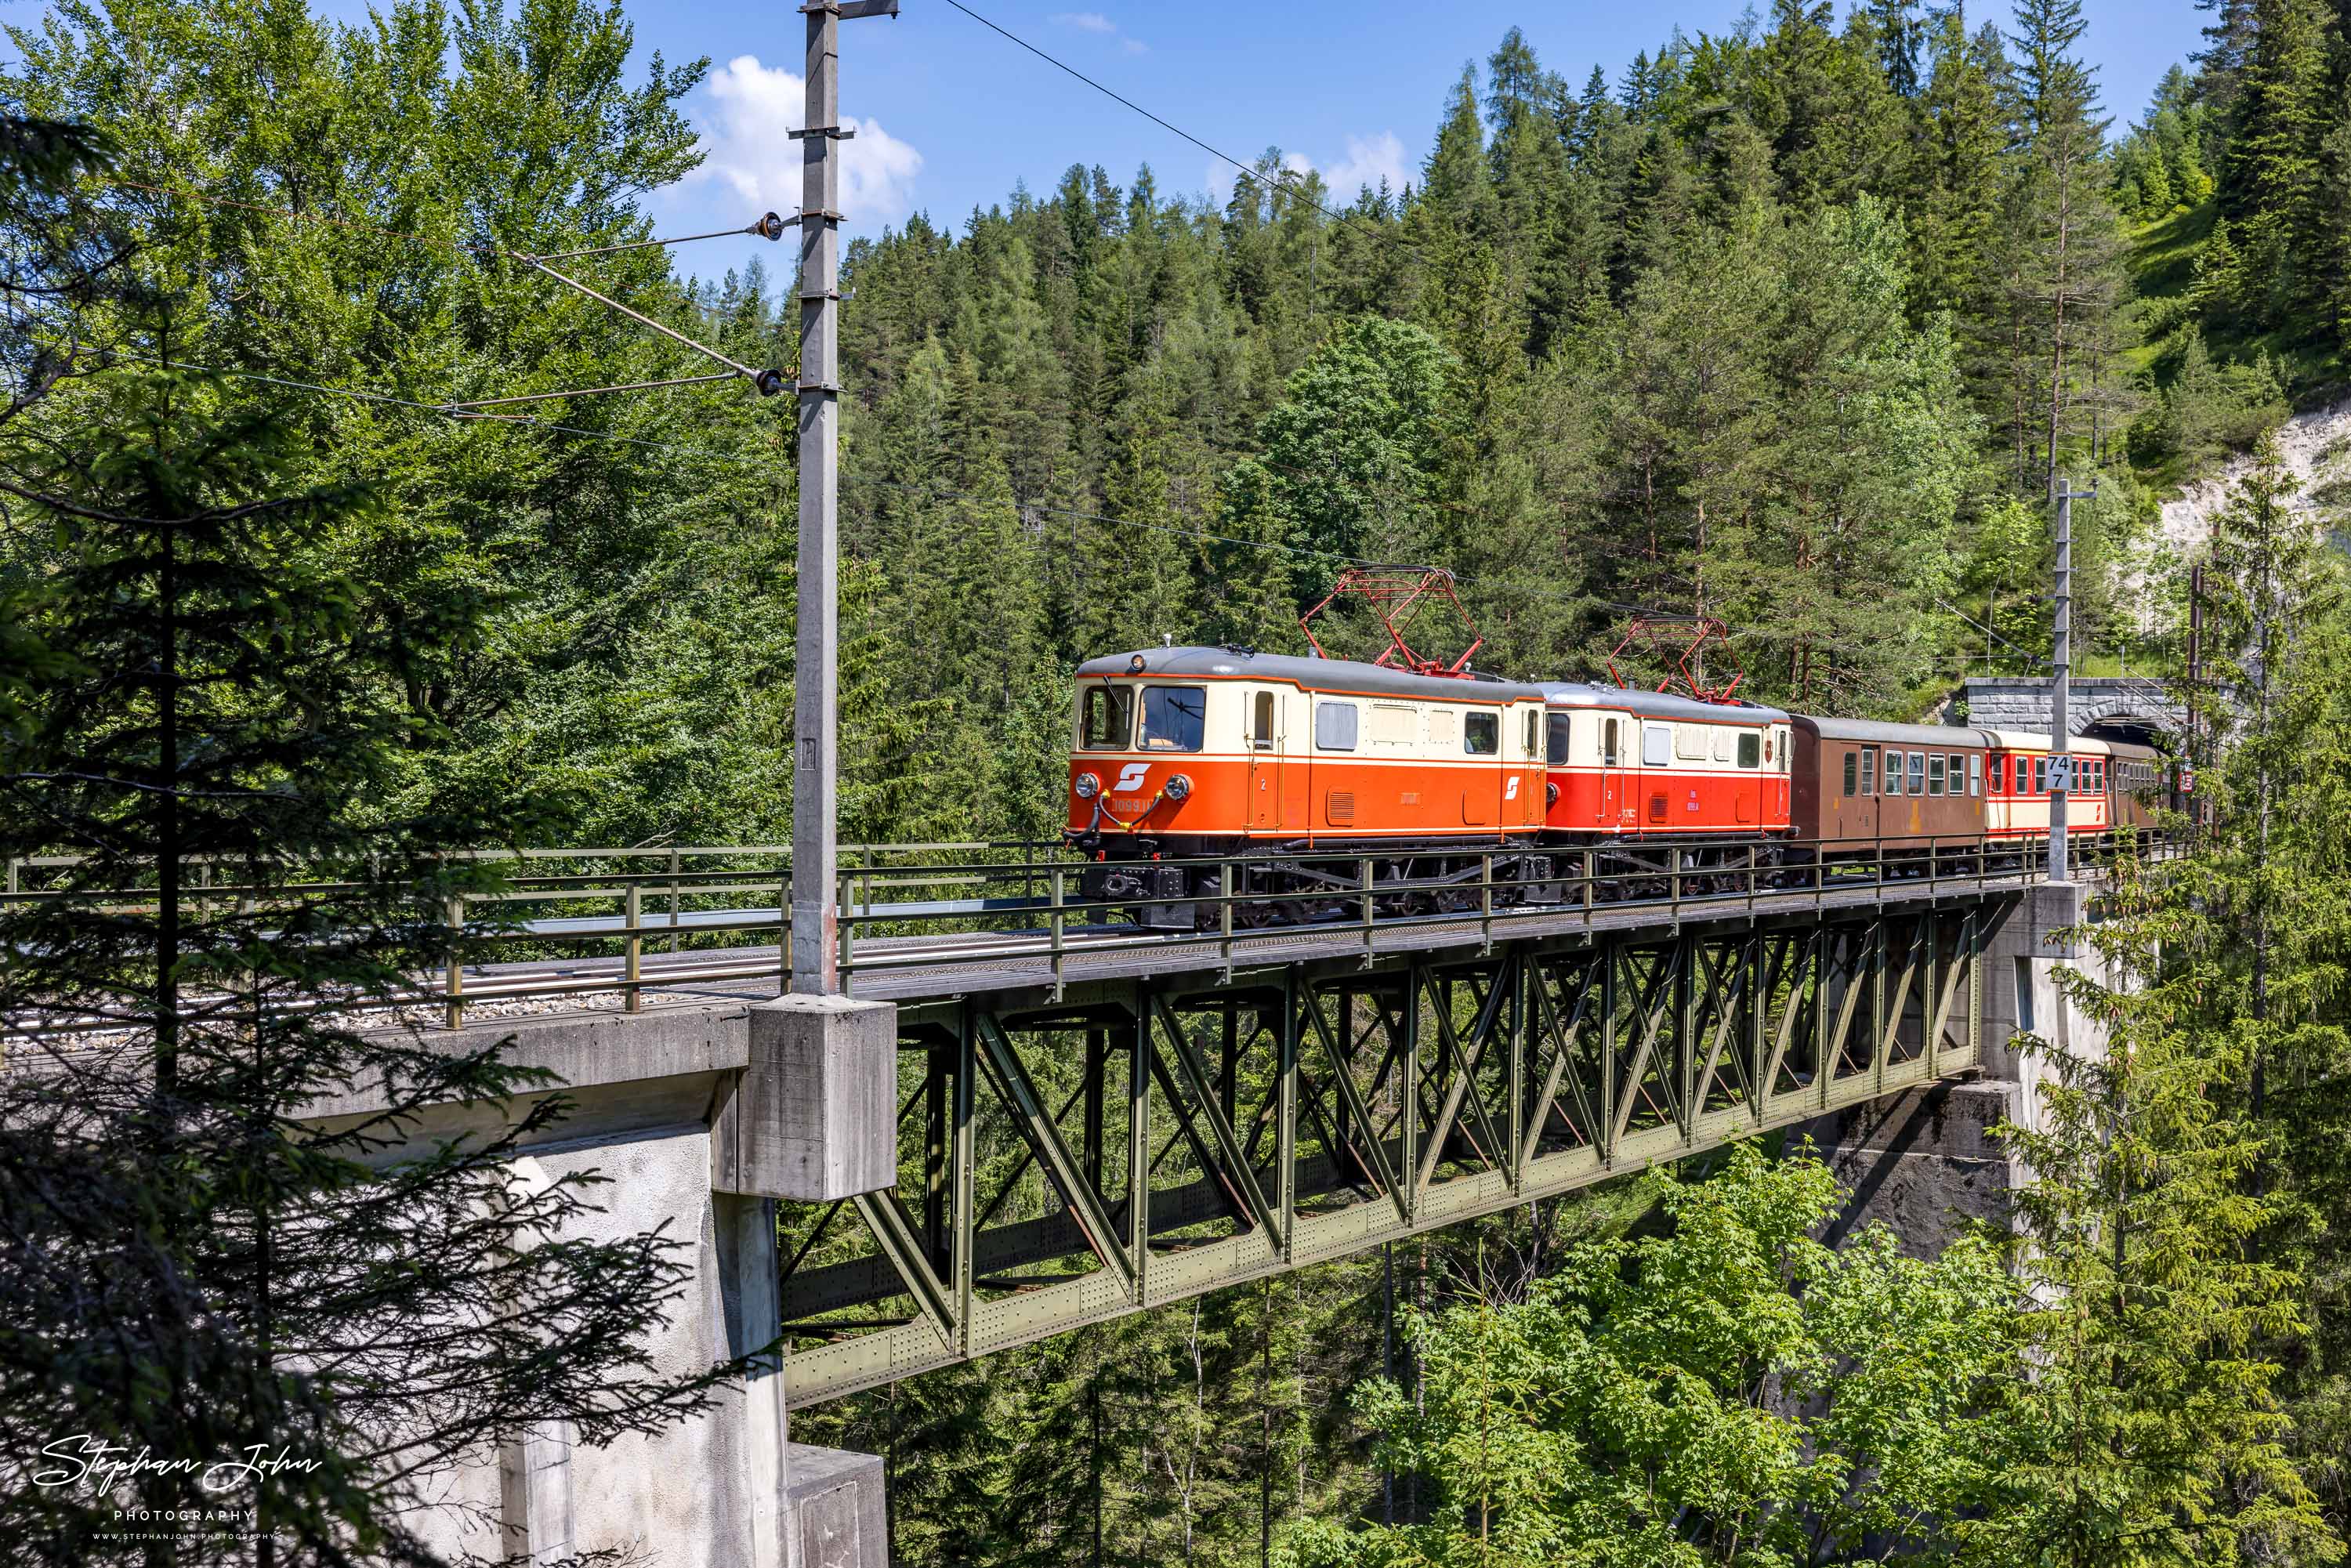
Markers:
<point>1262,722</point>
<point>1657,746</point>
<point>1174,718</point>
<point>1534,731</point>
<point>1751,749</point>
<point>1608,753</point>
<point>1106,718</point>
<point>1555,742</point>
<point>1481,734</point>
<point>1334,727</point>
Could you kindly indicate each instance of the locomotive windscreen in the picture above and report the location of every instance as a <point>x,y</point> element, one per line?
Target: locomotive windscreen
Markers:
<point>1106,718</point>
<point>1174,718</point>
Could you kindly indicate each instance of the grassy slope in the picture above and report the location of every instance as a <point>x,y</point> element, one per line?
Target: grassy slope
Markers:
<point>2162,262</point>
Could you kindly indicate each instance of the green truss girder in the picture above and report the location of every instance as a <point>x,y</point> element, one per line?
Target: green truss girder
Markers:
<point>1477,1079</point>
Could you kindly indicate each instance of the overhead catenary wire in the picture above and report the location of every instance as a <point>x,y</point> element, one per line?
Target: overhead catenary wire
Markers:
<point>1283,177</point>
<point>769,226</point>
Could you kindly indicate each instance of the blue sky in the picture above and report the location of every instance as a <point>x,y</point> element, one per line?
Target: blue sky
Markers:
<point>950,115</point>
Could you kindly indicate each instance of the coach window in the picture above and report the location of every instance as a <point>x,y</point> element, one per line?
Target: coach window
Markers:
<point>1261,730</point>
<point>1868,771</point>
<point>1934,773</point>
<point>1109,718</point>
<point>1174,718</point>
<point>1334,727</point>
<point>1658,746</point>
<point>1975,772</point>
<point>1751,749</point>
<point>2041,775</point>
<point>1608,753</point>
<point>1852,766</point>
<point>1952,773</point>
<point>1481,734</point>
<point>1917,773</point>
<point>1555,753</point>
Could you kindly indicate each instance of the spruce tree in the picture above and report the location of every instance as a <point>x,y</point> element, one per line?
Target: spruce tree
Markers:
<point>191,1267</point>
<point>2273,176</point>
<point>2062,246</point>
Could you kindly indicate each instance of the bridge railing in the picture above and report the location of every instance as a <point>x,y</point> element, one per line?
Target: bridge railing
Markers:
<point>566,926</point>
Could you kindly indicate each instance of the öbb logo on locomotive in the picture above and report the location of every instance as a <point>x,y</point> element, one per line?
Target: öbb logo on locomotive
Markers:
<point>1288,763</point>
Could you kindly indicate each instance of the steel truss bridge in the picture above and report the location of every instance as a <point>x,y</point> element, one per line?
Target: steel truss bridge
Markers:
<point>1086,1135</point>
<point>1096,1119</point>
<point>1305,1109</point>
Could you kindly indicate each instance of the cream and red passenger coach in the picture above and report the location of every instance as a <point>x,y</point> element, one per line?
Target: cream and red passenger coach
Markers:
<point>1647,765</point>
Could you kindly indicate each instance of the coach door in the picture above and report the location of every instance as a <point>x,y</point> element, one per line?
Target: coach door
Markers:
<point>1615,736</point>
<point>1265,762</point>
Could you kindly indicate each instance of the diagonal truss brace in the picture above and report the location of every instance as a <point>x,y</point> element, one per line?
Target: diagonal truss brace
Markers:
<point>1464,1085</point>
<point>893,1230</point>
<point>1562,1035</point>
<point>1021,1097</point>
<point>1352,1097</point>
<point>1229,1145</point>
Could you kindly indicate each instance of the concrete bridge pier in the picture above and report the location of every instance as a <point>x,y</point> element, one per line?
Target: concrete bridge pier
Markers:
<point>1927,1162</point>
<point>700,1118</point>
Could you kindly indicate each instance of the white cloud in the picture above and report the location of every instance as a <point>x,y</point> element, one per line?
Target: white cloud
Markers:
<point>1369,160</point>
<point>1101,26</point>
<point>750,108</point>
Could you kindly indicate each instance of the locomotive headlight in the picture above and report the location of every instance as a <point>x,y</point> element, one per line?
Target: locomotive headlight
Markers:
<point>1085,786</point>
<point>1178,787</point>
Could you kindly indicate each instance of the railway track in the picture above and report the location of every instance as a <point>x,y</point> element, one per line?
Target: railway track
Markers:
<point>648,944</point>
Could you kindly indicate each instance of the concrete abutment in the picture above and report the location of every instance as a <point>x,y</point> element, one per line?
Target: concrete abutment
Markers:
<point>700,1118</point>
<point>1927,1162</point>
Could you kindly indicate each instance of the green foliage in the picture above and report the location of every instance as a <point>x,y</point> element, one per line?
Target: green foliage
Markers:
<point>2209,410</point>
<point>1730,1391</point>
<point>2166,162</point>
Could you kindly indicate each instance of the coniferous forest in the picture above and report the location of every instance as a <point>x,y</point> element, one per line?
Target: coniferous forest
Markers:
<point>1795,326</point>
